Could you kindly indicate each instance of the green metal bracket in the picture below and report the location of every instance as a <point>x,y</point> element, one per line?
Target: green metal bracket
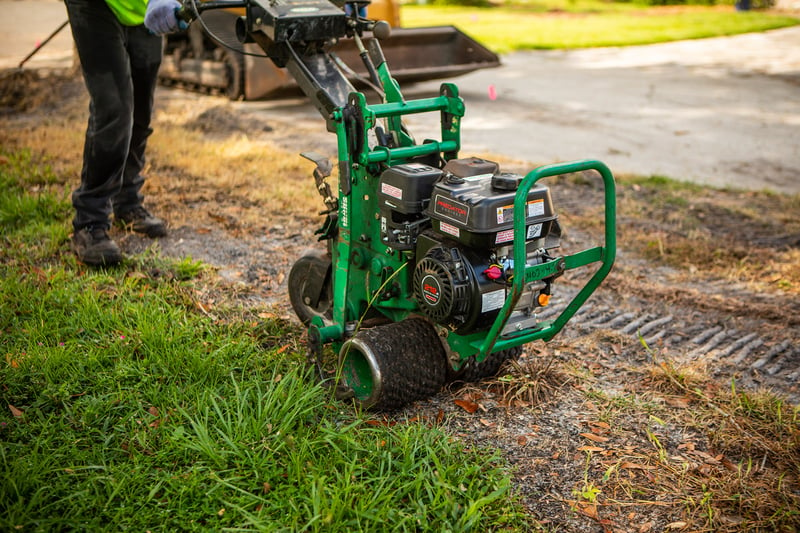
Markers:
<point>481,345</point>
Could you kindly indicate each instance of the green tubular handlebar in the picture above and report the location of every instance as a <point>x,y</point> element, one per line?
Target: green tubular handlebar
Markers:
<point>604,254</point>
<point>380,153</point>
<point>423,105</point>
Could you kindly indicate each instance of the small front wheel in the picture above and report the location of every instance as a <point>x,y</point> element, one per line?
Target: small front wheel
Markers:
<point>311,287</point>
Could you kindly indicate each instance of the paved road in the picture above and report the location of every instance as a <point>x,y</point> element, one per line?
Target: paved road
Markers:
<point>723,111</point>
<point>26,23</point>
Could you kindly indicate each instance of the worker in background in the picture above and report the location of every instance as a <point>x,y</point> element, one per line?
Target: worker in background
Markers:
<point>120,59</point>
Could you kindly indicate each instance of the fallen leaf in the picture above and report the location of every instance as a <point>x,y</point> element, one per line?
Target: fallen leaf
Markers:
<point>521,440</point>
<point>676,525</point>
<point>467,405</point>
<point>14,411</point>
<point>153,410</point>
<point>593,437</point>
<point>589,509</point>
<point>682,402</point>
<point>598,424</point>
<point>636,466</point>
<point>487,423</point>
<point>590,449</point>
<point>647,526</point>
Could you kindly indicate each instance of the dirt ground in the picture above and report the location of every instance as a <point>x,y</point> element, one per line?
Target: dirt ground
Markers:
<point>586,416</point>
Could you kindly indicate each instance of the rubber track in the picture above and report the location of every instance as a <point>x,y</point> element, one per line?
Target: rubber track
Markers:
<point>487,368</point>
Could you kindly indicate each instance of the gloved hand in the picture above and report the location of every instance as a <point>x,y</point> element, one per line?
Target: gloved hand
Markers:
<point>160,16</point>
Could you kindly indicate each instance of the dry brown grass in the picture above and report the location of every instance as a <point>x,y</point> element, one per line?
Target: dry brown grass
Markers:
<point>741,236</point>
<point>185,165</point>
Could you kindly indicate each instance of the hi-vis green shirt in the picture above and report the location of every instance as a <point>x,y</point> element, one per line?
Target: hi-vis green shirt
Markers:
<point>128,12</point>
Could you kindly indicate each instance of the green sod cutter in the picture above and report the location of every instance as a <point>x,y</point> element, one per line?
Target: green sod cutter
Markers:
<point>432,267</point>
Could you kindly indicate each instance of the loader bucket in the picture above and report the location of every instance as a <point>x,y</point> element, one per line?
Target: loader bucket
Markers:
<point>421,54</point>
<point>416,54</point>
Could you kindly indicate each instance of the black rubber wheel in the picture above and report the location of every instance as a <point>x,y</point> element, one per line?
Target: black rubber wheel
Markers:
<point>389,366</point>
<point>487,368</point>
<point>311,287</point>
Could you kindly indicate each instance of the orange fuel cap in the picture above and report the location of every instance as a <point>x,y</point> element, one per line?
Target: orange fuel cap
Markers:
<point>544,299</point>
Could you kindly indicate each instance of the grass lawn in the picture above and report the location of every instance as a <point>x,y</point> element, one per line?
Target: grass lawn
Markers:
<point>128,404</point>
<point>557,24</point>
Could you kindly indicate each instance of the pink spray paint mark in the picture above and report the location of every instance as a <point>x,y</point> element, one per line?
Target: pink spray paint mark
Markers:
<point>492,93</point>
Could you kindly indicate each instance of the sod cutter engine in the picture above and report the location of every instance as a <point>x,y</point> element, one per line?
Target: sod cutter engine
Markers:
<point>435,267</point>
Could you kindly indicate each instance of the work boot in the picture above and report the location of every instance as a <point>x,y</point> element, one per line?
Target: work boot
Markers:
<point>141,221</point>
<point>94,247</point>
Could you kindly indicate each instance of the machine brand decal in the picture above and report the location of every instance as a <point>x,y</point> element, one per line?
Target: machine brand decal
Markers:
<point>391,190</point>
<point>504,236</point>
<point>505,214</point>
<point>451,230</point>
<point>344,211</point>
<point>493,300</point>
<point>534,230</point>
<point>307,9</point>
<point>451,209</point>
<point>431,290</point>
<point>536,208</point>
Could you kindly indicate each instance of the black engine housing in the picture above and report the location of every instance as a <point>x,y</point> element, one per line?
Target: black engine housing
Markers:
<point>465,257</point>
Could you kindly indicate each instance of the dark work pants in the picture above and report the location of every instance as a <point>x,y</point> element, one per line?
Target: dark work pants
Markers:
<point>120,68</point>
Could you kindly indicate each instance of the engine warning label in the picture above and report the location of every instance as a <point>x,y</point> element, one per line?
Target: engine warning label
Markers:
<point>504,236</point>
<point>450,230</point>
<point>492,300</point>
<point>391,190</point>
<point>449,208</point>
<point>505,214</point>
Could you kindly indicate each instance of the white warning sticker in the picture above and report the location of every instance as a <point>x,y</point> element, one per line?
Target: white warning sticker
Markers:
<point>391,190</point>
<point>504,236</point>
<point>447,228</point>
<point>493,300</point>
<point>536,208</point>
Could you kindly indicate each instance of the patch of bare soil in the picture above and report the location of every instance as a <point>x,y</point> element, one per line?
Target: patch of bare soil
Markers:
<point>22,90</point>
<point>617,425</point>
